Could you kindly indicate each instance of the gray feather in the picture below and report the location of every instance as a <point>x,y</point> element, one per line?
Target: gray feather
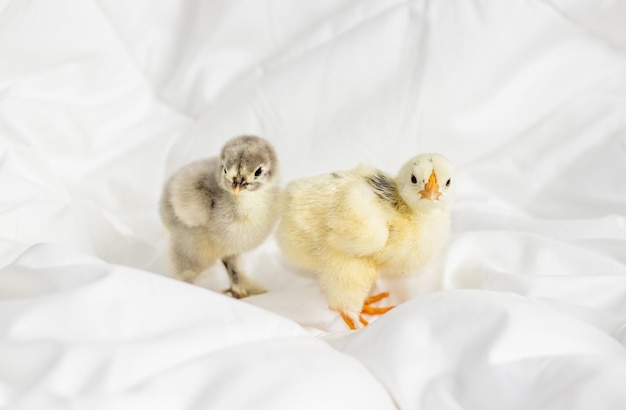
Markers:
<point>384,187</point>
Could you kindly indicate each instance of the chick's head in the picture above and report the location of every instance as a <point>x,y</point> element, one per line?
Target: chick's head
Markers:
<point>426,181</point>
<point>249,163</point>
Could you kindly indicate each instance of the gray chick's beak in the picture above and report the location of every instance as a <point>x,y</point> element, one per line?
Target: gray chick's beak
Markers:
<point>238,184</point>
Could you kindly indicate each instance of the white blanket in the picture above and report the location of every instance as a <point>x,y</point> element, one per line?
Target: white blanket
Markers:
<point>101,100</point>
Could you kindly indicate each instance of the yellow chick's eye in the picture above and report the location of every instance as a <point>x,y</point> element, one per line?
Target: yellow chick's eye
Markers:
<point>413,179</point>
<point>448,182</point>
<point>258,172</point>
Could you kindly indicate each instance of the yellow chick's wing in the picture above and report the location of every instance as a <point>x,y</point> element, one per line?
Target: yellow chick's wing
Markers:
<point>358,222</point>
<point>331,213</point>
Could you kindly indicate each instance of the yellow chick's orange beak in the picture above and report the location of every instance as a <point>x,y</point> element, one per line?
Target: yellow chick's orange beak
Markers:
<point>431,189</point>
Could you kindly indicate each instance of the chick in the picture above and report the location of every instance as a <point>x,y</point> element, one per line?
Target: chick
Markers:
<point>219,207</point>
<point>351,226</point>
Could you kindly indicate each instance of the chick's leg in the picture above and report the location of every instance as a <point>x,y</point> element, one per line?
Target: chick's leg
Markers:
<point>240,285</point>
<point>346,284</point>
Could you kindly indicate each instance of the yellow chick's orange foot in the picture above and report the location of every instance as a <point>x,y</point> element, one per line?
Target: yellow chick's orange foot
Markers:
<point>353,324</point>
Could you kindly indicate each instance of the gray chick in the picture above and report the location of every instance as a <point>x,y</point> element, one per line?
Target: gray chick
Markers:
<point>219,207</point>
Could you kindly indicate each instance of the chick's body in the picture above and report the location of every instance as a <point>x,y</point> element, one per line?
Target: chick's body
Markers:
<point>220,207</point>
<point>351,226</point>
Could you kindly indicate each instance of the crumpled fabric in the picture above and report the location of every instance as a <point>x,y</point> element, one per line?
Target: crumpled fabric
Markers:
<point>100,101</point>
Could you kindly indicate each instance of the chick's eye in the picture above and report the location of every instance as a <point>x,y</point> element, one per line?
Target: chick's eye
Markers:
<point>413,179</point>
<point>448,182</point>
<point>258,172</point>
<point>224,168</point>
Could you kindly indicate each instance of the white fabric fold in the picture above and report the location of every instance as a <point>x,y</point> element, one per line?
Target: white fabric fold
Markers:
<point>100,101</point>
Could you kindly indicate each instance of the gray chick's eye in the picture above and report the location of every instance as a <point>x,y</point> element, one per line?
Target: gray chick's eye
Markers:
<point>413,179</point>
<point>224,170</point>
<point>258,172</point>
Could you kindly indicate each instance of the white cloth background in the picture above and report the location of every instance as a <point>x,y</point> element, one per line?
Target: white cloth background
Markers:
<point>101,100</point>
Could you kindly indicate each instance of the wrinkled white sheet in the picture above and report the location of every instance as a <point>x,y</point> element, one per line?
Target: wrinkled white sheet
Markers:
<point>100,100</point>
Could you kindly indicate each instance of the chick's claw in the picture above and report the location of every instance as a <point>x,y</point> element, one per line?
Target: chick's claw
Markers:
<point>372,310</point>
<point>375,298</point>
<point>368,310</point>
<point>249,288</point>
<point>230,292</point>
<point>352,323</point>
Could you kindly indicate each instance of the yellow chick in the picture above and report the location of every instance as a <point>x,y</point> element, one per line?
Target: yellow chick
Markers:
<point>351,226</point>
<point>220,207</point>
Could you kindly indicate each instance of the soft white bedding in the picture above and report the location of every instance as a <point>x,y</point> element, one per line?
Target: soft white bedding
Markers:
<point>100,100</point>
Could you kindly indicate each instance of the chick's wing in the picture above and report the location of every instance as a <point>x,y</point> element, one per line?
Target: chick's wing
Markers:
<point>189,193</point>
<point>357,224</point>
